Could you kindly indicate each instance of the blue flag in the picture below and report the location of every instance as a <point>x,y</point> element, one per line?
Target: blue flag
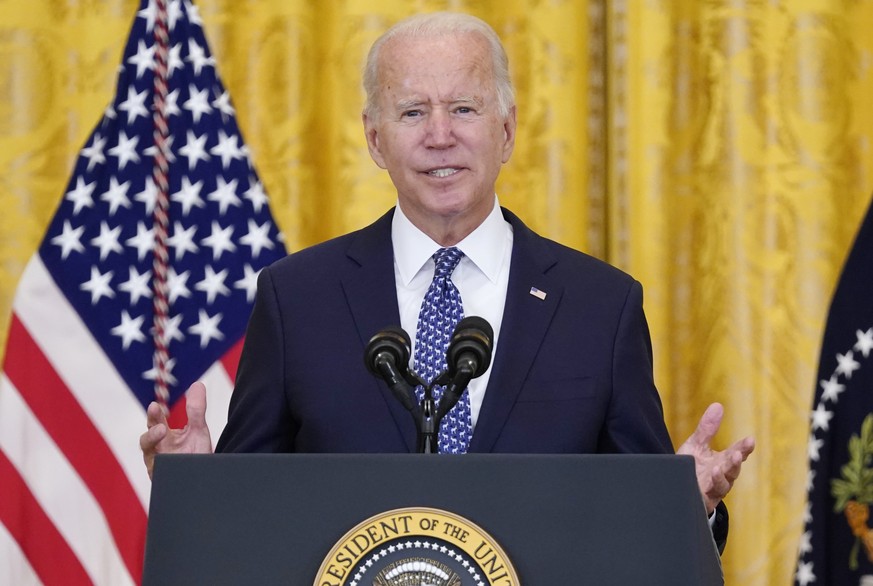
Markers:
<point>836,548</point>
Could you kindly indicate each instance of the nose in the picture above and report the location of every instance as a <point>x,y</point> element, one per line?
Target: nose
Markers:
<point>440,132</point>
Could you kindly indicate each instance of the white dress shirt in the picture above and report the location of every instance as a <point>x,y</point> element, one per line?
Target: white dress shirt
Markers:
<point>482,278</point>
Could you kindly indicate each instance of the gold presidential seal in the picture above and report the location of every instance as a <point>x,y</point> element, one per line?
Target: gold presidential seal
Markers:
<point>415,546</point>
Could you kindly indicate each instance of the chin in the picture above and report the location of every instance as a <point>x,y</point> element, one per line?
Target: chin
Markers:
<point>452,209</point>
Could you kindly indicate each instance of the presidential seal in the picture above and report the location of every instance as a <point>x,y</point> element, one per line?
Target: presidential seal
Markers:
<point>416,547</point>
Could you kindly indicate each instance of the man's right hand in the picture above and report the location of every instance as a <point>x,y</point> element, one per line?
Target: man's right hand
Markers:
<point>191,439</point>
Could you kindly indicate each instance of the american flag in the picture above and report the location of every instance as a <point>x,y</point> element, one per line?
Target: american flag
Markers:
<point>79,369</point>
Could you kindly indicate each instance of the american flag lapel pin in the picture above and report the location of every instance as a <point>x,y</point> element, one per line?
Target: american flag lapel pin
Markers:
<point>541,295</point>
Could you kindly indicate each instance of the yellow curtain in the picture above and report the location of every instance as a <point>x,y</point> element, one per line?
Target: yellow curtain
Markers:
<point>740,165</point>
<point>719,151</point>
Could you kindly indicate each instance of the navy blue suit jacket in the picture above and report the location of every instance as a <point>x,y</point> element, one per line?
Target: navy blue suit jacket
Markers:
<point>572,372</point>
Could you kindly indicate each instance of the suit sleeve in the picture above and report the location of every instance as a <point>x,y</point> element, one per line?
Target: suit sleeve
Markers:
<point>635,418</point>
<point>259,419</point>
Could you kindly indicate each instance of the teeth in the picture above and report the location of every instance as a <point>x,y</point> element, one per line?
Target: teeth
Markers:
<point>443,172</point>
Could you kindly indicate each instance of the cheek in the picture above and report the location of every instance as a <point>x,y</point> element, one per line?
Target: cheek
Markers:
<point>397,147</point>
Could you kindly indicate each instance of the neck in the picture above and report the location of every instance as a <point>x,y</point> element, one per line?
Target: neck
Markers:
<point>447,231</point>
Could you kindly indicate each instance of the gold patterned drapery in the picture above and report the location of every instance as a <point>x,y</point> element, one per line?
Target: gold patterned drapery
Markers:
<point>720,151</point>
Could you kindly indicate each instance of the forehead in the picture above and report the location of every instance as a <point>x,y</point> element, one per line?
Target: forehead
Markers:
<point>457,62</point>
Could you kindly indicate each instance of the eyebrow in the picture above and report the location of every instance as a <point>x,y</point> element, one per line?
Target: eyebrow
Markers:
<point>415,103</point>
<point>409,103</point>
<point>468,100</point>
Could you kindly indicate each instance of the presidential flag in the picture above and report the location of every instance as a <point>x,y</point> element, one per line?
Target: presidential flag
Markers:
<point>836,548</point>
<point>81,363</point>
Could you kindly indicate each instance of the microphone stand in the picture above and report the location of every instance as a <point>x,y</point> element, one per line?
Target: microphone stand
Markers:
<point>424,414</point>
<point>428,426</point>
<point>430,417</point>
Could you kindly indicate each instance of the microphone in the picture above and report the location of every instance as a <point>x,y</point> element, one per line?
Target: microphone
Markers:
<point>387,357</point>
<point>468,357</point>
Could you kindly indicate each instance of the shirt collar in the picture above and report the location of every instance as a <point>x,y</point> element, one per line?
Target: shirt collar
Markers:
<point>484,246</point>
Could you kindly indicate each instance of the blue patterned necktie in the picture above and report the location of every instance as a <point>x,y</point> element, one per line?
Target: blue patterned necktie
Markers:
<point>440,312</point>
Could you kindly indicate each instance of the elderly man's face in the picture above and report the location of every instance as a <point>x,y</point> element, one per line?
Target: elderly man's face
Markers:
<point>439,132</point>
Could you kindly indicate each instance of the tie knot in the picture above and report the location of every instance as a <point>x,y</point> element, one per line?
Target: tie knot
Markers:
<point>446,259</point>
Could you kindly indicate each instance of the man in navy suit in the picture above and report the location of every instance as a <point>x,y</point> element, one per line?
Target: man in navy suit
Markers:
<point>572,369</point>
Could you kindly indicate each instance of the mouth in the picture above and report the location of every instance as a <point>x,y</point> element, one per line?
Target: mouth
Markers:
<point>443,172</point>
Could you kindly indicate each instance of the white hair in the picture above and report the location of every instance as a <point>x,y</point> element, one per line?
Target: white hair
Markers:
<point>437,24</point>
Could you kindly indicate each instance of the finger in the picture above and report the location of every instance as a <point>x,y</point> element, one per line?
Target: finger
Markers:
<point>148,442</point>
<point>707,483</point>
<point>741,449</point>
<point>195,405</point>
<point>746,446</point>
<point>155,414</point>
<point>733,463</point>
<point>708,425</point>
<point>719,486</point>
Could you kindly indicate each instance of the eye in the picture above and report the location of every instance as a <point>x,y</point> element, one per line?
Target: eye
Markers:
<point>463,110</point>
<point>411,114</point>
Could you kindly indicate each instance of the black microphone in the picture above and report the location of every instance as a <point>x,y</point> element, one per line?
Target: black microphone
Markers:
<point>468,357</point>
<point>387,357</point>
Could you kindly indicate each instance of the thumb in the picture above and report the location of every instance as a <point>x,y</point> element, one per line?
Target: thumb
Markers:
<point>195,405</point>
<point>708,426</point>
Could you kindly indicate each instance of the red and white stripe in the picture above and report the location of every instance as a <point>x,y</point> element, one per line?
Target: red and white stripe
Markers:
<point>73,488</point>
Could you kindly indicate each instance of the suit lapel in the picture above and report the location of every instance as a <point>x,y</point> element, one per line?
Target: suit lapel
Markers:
<point>526,319</point>
<point>368,283</point>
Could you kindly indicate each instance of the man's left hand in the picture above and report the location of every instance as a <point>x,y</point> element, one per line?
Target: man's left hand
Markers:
<point>716,471</point>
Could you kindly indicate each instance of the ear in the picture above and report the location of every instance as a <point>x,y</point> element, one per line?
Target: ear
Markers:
<point>371,132</point>
<point>509,124</point>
